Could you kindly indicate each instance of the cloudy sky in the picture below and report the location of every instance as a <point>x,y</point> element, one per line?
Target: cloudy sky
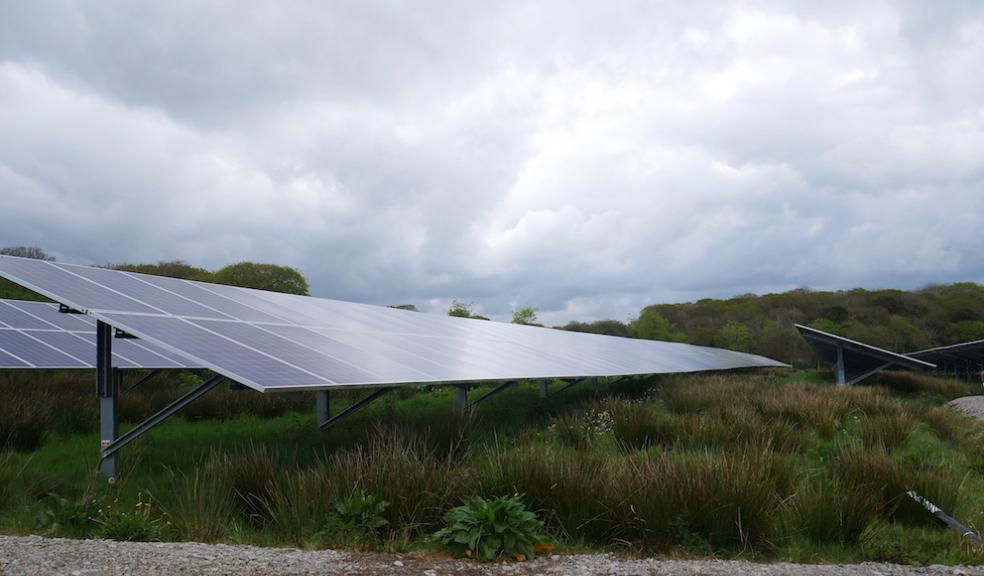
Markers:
<point>587,158</point>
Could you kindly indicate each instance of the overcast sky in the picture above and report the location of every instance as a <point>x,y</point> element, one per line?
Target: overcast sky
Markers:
<point>585,157</point>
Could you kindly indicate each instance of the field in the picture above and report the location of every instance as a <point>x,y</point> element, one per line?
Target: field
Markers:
<point>759,465</point>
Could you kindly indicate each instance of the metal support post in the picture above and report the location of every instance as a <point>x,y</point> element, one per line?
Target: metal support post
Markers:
<point>543,389</point>
<point>109,450</point>
<point>352,409</point>
<point>322,402</point>
<point>839,367</point>
<point>106,387</point>
<point>491,393</point>
<point>462,397</point>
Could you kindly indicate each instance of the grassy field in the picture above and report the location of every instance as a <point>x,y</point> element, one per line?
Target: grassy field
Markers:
<point>764,465</point>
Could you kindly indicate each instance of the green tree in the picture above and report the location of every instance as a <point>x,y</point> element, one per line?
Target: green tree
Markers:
<point>651,325</point>
<point>525,315</point>
<point>461,309</point>
<point>170,268</point>
<point>734,336</point>
<point>263,277</point>
<point>27,252</point>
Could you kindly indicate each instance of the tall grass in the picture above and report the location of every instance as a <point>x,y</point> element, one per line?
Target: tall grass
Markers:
<point>704,464</point>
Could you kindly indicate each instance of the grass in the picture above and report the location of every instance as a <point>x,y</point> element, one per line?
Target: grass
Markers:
<point>767,465</point>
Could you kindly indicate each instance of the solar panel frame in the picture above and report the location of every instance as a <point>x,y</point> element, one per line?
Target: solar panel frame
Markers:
<point>239,332</point>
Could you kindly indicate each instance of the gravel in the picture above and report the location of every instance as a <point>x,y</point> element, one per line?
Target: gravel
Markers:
<point>37,556</point>
<point>972,406</point>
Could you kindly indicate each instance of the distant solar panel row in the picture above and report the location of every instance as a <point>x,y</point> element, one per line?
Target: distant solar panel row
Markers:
<point>273,341</point>
<point>37,335</point>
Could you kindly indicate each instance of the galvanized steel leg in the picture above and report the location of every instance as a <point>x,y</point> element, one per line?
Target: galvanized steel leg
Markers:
<point>543,389</point>
<point>839,367</point>
<point>107,388</point>
<point>462,397</point>
<point>323,406</point>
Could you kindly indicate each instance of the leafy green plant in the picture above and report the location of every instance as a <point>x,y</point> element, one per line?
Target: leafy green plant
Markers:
<point>363,512</point>
<point>59,515</point>
<point>357,520</point>
<point>487,529</point>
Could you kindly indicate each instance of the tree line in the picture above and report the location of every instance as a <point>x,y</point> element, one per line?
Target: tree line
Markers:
<point>898,320</point>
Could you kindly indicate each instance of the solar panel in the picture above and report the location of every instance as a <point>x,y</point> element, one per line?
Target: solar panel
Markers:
<point>37,335</point>
<point>857,359</point>
<point>278,342</point>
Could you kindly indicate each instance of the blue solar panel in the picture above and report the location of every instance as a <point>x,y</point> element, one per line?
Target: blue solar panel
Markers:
<point>74,336</point>
<point>34,351</point>
<point>8,361</point>
<point>50,314</point>
<point>243,364</point>
<point>14,318</point>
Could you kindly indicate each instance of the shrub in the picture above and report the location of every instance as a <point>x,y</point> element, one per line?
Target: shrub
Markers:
<point>638,426</point>
<point>829,513</point>
<point>886,431</point>
<point>141,524</point>
<point>726,500</point>
<point>203,506</point>
<point>488,529</point>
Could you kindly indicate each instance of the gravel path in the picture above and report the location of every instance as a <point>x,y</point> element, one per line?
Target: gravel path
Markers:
<point>37,556</point>
<point>972,406</point>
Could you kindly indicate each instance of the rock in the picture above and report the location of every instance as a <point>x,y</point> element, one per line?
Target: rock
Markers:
<point>398,564</point>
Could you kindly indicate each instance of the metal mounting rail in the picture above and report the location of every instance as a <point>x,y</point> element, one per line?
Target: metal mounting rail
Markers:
<point>169,410</point>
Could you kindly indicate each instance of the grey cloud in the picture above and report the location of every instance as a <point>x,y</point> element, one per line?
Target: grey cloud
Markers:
<point>587,158</point>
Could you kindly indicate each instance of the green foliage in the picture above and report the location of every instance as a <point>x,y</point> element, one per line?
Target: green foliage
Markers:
<point>651,325</point>
<point>142,523</point>
<point>489,529</point>
<point>606,327</point>
<point>363,512</point>
<point>461,309</point>
<point>734,336</point>
<point>170,268</point>
<point>262,277</point>
<point>60,515</point>
<point>894,319</point>
<point>525,315</point>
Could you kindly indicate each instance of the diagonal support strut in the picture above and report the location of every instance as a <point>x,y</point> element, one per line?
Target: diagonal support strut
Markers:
<point>351,409</point>
<point>160,416</point>
<point>491,393</point>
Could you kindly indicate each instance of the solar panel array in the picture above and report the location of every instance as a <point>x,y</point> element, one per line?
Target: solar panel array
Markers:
<point>37,335</point>
<point>859,358</point>
<point>279,342</point>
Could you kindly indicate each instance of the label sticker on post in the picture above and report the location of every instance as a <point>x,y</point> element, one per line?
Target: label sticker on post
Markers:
<point>105,443</point>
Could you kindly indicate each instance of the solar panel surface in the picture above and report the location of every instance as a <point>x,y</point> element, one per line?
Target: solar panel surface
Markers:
<point>272,341</point>
<point>37,335</point>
